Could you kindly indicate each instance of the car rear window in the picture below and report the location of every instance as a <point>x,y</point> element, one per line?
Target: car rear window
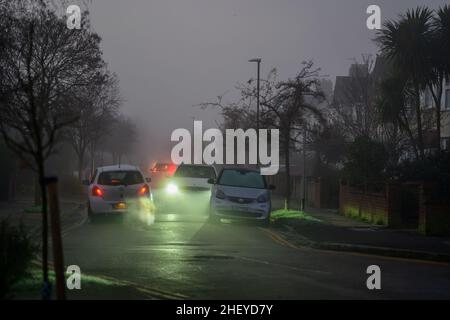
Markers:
<point>161,167</point>
<point>164,168</point>
<point>113,178</point>
<point>195,172</point>
<point>242,178</point>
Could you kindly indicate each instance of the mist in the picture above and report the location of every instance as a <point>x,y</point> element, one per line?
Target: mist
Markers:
<point>172,55</point>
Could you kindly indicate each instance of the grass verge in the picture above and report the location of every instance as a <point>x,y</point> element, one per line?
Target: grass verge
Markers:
<point>92,287</point>
<point>292,214</point>
<point>33,209</point>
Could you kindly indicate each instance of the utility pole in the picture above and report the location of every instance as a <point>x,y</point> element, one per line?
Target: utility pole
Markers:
<point>303,204</point>
<point>58,260</point>
<point>258,61</point>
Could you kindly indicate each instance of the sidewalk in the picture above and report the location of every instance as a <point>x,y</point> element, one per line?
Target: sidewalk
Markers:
<point>336,232</point>
<point>72,212</point>
<point>95,287</point>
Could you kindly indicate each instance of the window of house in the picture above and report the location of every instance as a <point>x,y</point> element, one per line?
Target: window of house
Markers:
<point>427,98</point>
<point>447,99</point>
<point>445,143</point>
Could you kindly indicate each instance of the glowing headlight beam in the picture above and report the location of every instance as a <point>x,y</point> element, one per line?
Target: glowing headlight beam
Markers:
<point>171,188</point>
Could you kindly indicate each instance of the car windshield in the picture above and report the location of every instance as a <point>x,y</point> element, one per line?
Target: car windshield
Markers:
<point>113,178</point>
<point>195,172</point>
<point>242,178</point>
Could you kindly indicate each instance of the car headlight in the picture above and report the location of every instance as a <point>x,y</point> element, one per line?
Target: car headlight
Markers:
<point>262,198</point>
<point>172,188</point>
<point>220,194</point>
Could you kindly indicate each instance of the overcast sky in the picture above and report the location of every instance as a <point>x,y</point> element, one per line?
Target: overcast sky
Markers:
<point>172,54</point>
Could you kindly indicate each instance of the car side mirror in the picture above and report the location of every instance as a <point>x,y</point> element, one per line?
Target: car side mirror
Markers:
<point>148,180</point>
<point>272,187</point>
<point>211,181</point>
<point>85,182</point>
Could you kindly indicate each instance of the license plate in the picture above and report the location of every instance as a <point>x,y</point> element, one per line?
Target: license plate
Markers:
<point>120,205</point>
<point>240,208</point>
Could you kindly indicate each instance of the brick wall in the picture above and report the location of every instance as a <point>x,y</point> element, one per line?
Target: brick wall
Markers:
<point>434,213</point>
<point>434,219</point>
<point>386,207</point>
<point>375,207</point>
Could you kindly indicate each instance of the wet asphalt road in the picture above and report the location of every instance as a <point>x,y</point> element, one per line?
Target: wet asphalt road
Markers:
<point>183,254</point>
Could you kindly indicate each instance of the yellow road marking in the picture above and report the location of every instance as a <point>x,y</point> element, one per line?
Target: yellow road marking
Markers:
<point>151,292</point>
<point>400,259</point>
<point>280,240</point>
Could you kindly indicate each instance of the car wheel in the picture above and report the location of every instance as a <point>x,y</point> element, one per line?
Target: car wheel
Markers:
<point>266,221</point>
<point>214,220</point>
<point>91,215</point>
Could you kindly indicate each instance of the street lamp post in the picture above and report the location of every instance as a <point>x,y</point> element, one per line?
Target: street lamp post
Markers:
<point>303,202</point>
<point>258,61</point>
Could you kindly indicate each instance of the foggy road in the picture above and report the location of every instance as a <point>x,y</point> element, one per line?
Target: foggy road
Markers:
<point>207,151</point>
<point>185,256</point>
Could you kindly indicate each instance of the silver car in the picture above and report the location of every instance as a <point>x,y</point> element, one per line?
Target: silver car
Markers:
<point>240,194</point>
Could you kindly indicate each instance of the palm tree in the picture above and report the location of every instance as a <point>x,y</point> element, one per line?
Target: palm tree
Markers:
<point>442,25</point>
<point>407,44</point>
<point>440,59</point>
<point>391,103</point>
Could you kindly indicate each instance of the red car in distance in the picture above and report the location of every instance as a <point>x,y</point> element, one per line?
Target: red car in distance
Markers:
<point>160,172</point>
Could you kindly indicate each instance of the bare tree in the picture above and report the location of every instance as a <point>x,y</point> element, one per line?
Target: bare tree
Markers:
<point>119,142</point>
<point>42,66</point>
<point>285,105</point>
<point>354,100</point>
<point>96,107</point>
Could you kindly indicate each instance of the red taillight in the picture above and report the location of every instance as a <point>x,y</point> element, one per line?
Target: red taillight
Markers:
<point>144,190</point>
<point>172,169</point>
<point>97,192</point>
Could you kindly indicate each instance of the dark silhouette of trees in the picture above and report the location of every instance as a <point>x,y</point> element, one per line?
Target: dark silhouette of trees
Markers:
<point>285,105</point>
<point>43,67</point>
<point>417,44</point>
<point>96,107</point>
<point>121,138</point>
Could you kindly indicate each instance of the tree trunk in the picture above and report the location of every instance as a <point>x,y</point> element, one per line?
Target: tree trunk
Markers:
<point>37,190</point>
<point>407,127</point>
<point>437,96</point>
<point>41,174</point>
<point>438,127</point>
<point>80,167</point>
<point>288,171</point>
<point>92,164</point>
<point>419,123</point>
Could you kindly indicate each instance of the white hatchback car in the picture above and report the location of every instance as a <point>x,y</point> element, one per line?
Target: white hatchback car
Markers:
<point>240,194</point>
<point>119,189</point>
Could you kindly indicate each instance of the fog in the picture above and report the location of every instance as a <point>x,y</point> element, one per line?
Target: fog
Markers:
<point>173,54</point>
